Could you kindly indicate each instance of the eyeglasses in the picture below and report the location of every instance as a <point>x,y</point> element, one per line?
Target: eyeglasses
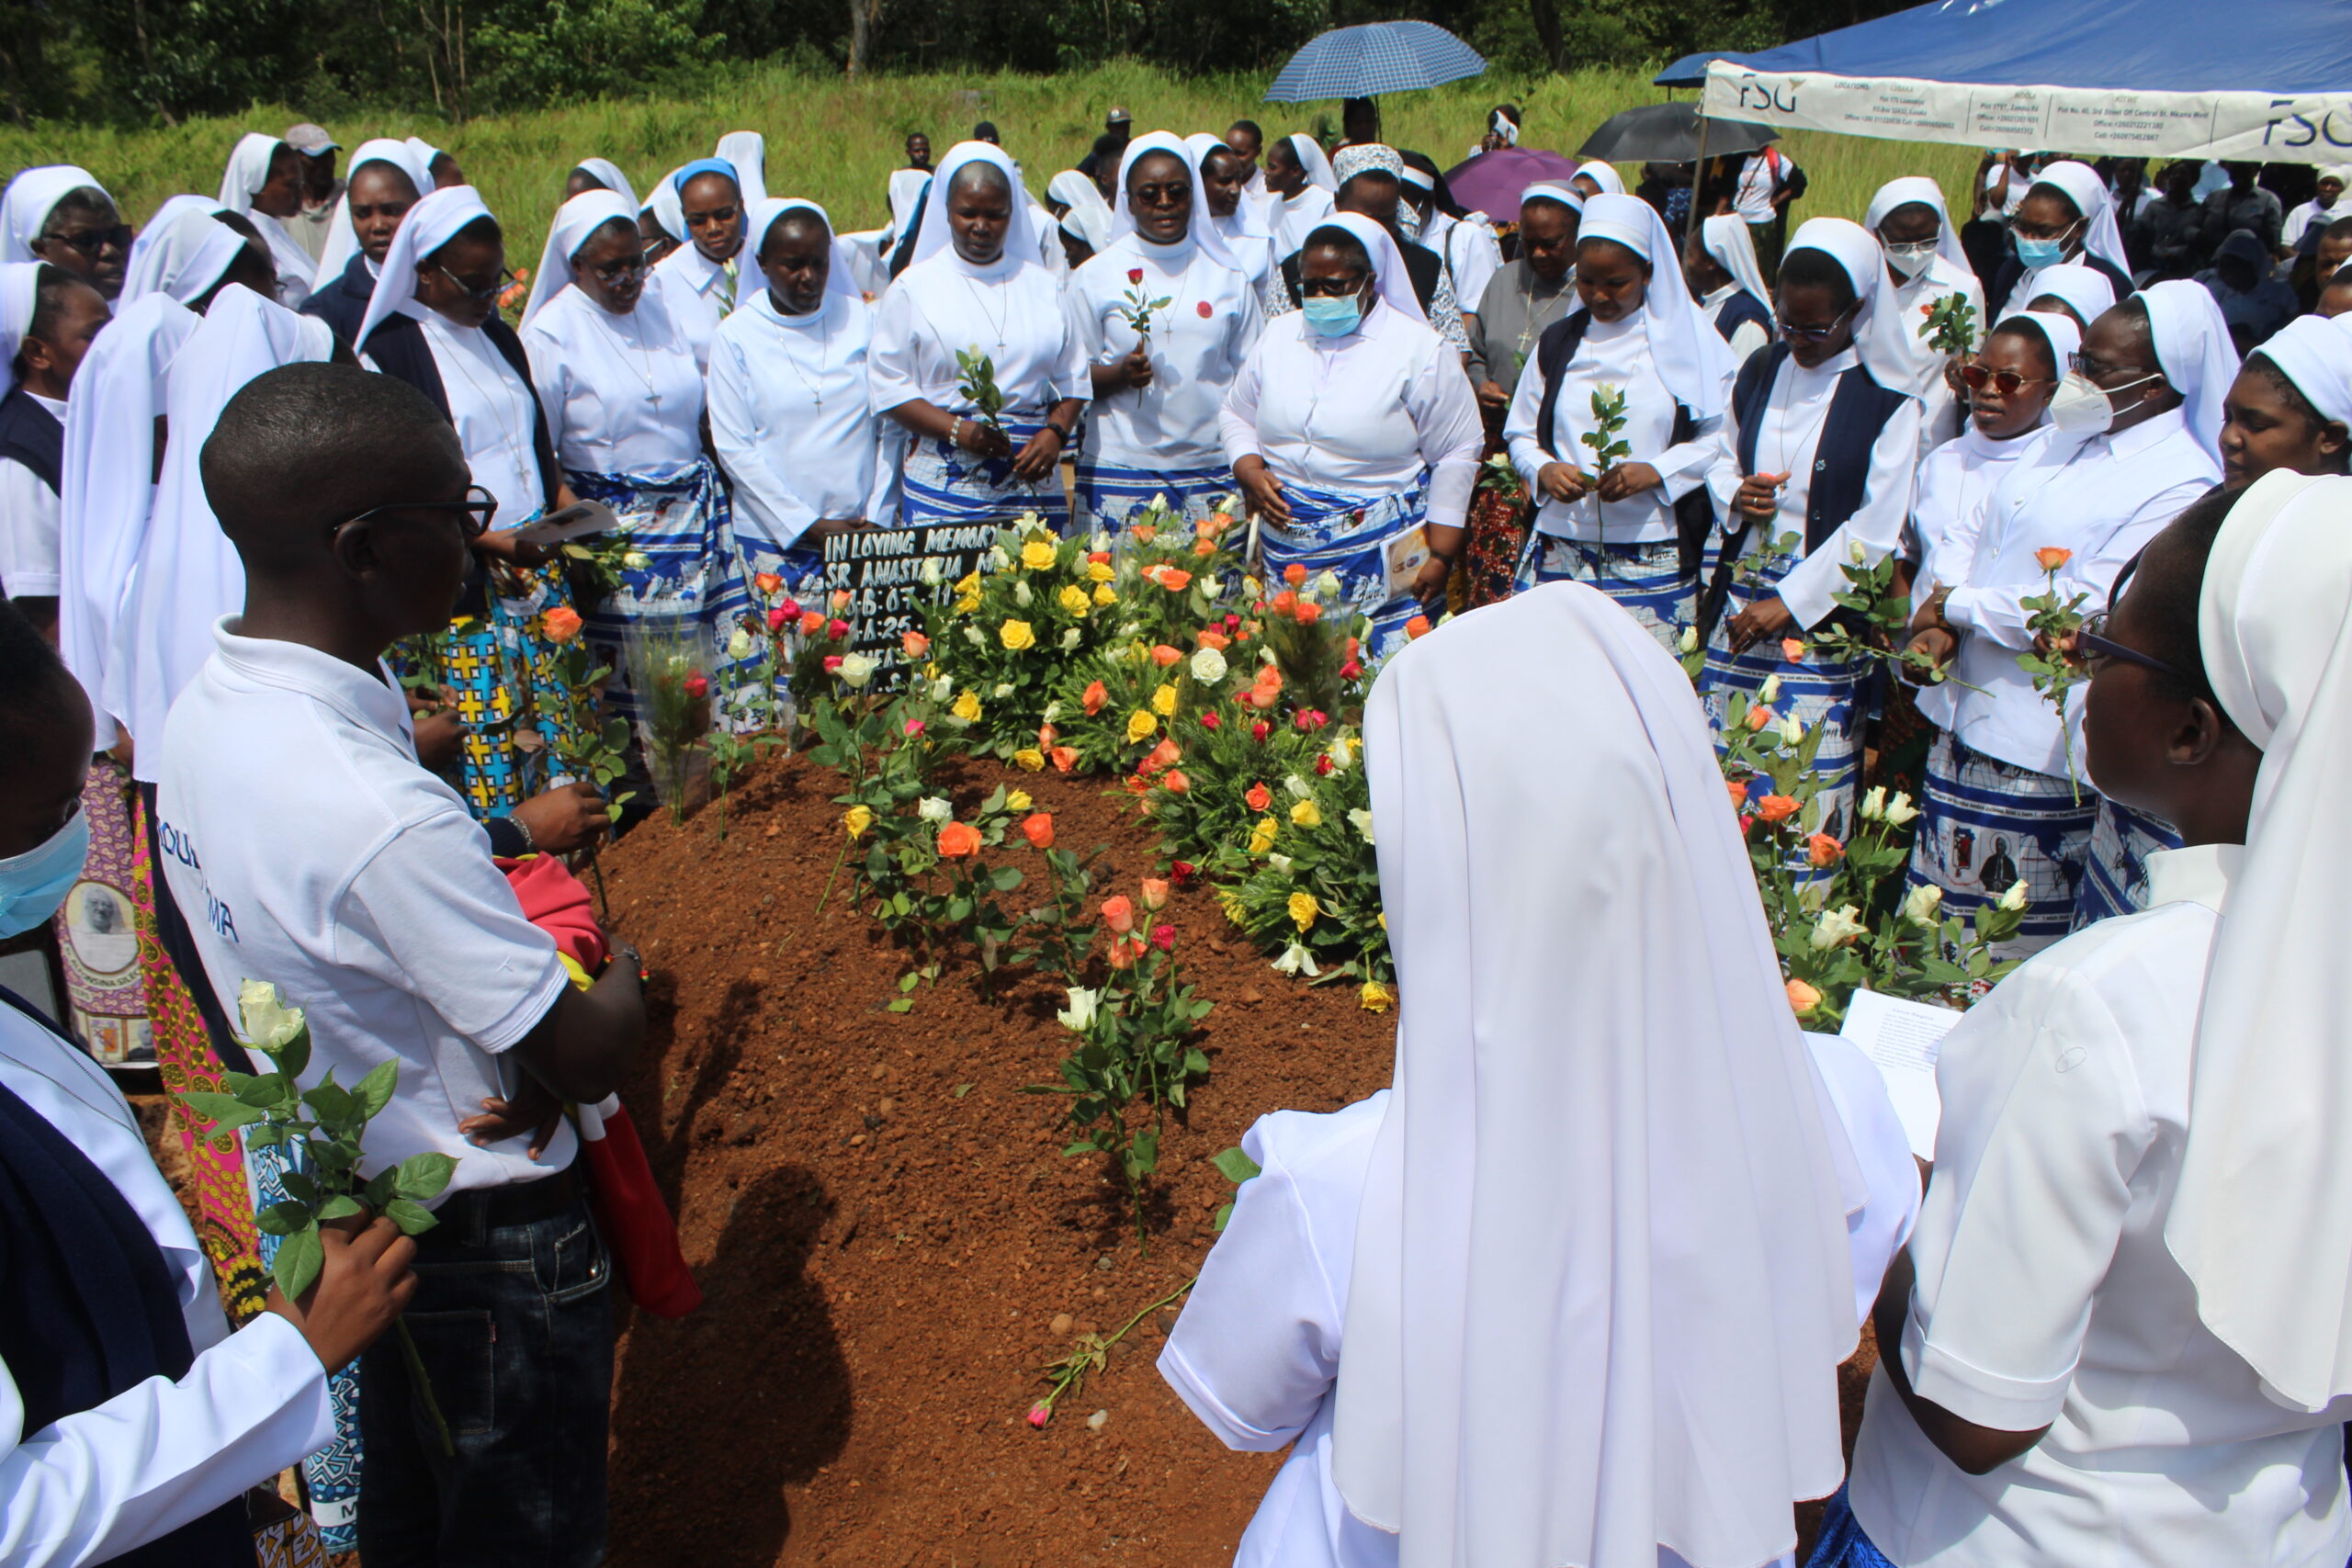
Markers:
<point>2095,370</point>
<point>478,296</point>
<point>2006,382</point>
<point>615,273</point>
<point>1331,287</point>
<point>90,241</point>
<point>1792,333</point>
<point>474,512</point>
<point>2044,230</point>
<point>2093,646</point>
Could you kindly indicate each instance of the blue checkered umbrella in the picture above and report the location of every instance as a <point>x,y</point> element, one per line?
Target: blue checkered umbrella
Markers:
<point>1378,57</point>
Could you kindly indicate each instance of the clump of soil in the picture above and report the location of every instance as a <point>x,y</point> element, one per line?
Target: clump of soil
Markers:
<point>887,1234</point>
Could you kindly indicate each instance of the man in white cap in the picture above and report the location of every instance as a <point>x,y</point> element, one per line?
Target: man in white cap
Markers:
<point>321,189</point>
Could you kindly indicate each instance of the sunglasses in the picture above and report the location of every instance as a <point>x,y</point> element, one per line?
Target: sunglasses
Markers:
<point>2006,382</point>
<point>615,272</point>
<point>1792,333</point>
<point>474,512</point>
<point>91,242</point>
<point>478,296</point>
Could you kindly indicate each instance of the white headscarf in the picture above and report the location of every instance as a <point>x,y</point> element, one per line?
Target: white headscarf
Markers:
<point>2063,337</point>
<point>1387,261</point>
<point>1200,231</point>
<point>2316,354</point>
<point>30,197</point>
<point>1567,195</point>
<point>574,222</point>
<point>1245,229</point>
<point>2260,1220</point>
<point>1502,125</point>
<point>424,153</point>
<point>839,277</point>
<point>1725,238</point>
<point>1690,357</point>
<point>2081,184</point>
<point>748,151</point>
<point>1601,1284</point>
<point>248,170</point>
<point>906,197</point>
<point>669,209</point>
<point>2090,292</point>
<point>430,225</point>
<point>1602,175</point>
<point>183,251</point>
<point>1020,238</point>
<point>19,297</point>
<point>608,175</point>
<point>1927,193</point>
<point>1858,254</point>
<point>2193,348</point>
<point>1090,217</point>
<point>1310,156</point>
<point>343,239</point>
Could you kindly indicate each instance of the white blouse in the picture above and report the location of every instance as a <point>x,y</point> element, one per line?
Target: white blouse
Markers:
<point>1795,410</point>
<point>1198,343</point>
<point>701,293</point>
<point>1363,414</point>
<point>29,541</point>
<point>1617,354</point>
<point>1940,413</point>
<point>494,412</point>
<point>793,419</point>
<point>1295,218</point>
<point>1955,481</point>
<point>1016,317</point>
<point>622,392</point>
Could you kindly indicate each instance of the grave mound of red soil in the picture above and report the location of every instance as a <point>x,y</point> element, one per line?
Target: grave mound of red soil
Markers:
<point>889,1239</point>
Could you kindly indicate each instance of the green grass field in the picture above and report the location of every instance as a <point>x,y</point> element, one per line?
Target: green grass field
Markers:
<point>836,141</point>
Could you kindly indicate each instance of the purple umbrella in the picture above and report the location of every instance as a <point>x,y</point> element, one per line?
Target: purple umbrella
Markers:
<point>1490,182</point>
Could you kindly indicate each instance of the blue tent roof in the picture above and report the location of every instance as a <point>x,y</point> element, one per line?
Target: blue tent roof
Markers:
<point>2180,46</point>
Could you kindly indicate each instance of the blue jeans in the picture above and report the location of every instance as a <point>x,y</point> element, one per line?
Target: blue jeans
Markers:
<point>512,1319</point>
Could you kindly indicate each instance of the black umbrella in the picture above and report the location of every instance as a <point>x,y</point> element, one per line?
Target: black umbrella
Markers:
<point>1669,133</point>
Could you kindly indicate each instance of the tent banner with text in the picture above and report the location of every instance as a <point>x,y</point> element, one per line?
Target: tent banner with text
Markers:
<point>2255,126</point>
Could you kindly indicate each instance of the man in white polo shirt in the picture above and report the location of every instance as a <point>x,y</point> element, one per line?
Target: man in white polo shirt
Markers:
<point>310,849</point>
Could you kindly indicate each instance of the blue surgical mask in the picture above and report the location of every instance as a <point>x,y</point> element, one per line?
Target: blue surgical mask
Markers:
<point>34,884</point>
<point>1333,317</point>
<point>2039,254</point>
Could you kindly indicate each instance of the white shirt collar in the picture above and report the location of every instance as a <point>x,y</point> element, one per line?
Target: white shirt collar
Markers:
<point>373,702</point>
<point>2198,874</point>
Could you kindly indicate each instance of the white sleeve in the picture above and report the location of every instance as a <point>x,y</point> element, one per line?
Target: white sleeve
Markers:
<point>29,535</point>
<point>1446,412</point>
<point>1999,611</point>
<point>1478,258</point>
<point>1085,322</point>
<point>761,489</point>
<point>1683,466</point>
<point>1722,469</point>
<point>890,453</point>
<point>1072,376</point>
<point>1810,586</point>
<point>156,1456</point>
<point>892,371</point>
<point>545,358</point>
<point>1526,443</point>
<point>1747,338</point>
<point>1237,419</point>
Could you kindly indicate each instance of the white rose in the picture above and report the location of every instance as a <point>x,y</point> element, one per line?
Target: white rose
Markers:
<point>1081,1009</point>
<point>1925,904</point>
<point>1340,755</point>
<point>1021,594</point>
<point>1159,501</point>
<point>1770,691</point>
<point>1861,557</point>
<point>932,571</point>
<point>1031,522</point>
<point>1328,586</point>
<point>1874,804</point>
<point>1003,690</point>
<point>1208,667</point>
<point>996,559</point>
<point>1836,927</point>
<point>936,808</point>
<point>1900,810</point>
<point>635,560</point>
<point>269,1021</point>
<point>1690,643</point>
<point>739,645</point>
<point>2014,898</point>
<point>1791,732</point>
<point>1053,711</point>
<point>1361,821</point>
<point>1298,786</point>
<point>974,636</point>
<point>1280,862</point>
<point>1069,638</point>
<point>858,668</point>
<point>943,689</point>
<point>1296,960</point>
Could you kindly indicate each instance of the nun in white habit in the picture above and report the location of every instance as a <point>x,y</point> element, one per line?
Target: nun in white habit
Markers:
<point>792,412</point>
<point>702,278</point>
<point>29,200</point>
<point>601,172</point>
<point>2068,215</point>
<point>1248,243</point>
<point>1353,433</point>
<point>1299,178</point>
<point>2082,292</point>
<point>666,215</point>
<point>263,181</point>
<point>1167,316</point>
<point>1816,454</point>
<point>343,239</point>
<point>973,289</point>
<point>1605,179</point>
<point>1925,267</point>
<point>624,400</point>
<point>747,152</point>
<point>1637,337</point>
<point>1532,1306</point>
<point>1738,301</point>
<point>2300,382</point>
<point>32,199</point>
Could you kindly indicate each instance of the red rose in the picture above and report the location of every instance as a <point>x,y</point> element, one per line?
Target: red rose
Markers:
<point>1323,766</point>
<point>777,619</point>
<point>1210,721</point>
<point>1163,937</point>
<point>1204,307</point>
<point>832,664</point>
<point>1135,275</point>
<point>697,687</point>
<point>839,630</point>
<point>1351,669</point>
<point>1180,871</point>
<point>1259,730</point>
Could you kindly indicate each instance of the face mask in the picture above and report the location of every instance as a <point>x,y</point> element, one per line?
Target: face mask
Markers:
<point>2038,254</point>
<point>1333,317</point>
<point>34,884</point>
<point>1910,260</point>
<point>2083,407</point>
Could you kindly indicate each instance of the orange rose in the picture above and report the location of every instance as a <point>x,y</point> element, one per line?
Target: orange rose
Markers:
<point>1760,715</point>
<point>1802,998</point>
<point>914,645</point>
<point>1038,829</point>
<point>1212,637</point>
<point>1793,649</point>
<point>1416,628</point>
<point>1258,797</point>
<point>1822,851</point>
<point>768,583</point>
<point>1064,758</point>
<point>1162,755</point>
<point>1099,557</point>
<point>1165,655</point>
<point>1776,807</point>
<point>2049,558</point>
<point>1145,532</point>
<point>1204,548</point>
<point>1309,611</point>
<point>1738,793</point>
<point>1173,580</point>
<point>1155,893</point>
<point>811,622</point>
<point>561,621</point>
<point>1269,677</point>
<point>1094,699</point>
<point>1047,736</point>
<point>1176,782</point>
<point>1119,914</point>
<point>957,841</point>
<point>841,600</point>
<point>1124,951</point>
<point>1262,698</point>
<point>1294,574</point>
<point>1282,603</point>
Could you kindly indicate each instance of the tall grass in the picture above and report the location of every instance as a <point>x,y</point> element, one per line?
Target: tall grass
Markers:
<point>836,141</point>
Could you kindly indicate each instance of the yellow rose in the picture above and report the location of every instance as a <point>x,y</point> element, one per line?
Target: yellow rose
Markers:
<point>1016,636</point>
<point>967,707</point>
<point>1104,596</point>
<point>1019,799</point>
<point>1163,700</point>
<point>857,819</point>
<point>1098,571</point>
<point>1140,724</point>
<point>966,604</point>
<point>1261,836</point>
<point>1384,919</point>
<point>1252,588</point>
<point>1073,599</point>
<point>1306,813</point>
<point>970,583</point>
<point>1373,997</point>
<point>1303,909</point>
<point>1028,760</point>
<point>1036,555</point>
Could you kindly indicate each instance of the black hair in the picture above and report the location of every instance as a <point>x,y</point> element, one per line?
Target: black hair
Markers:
<point>1340,240</point>
<point>1250,126</point>
<point>1808,267</point>
<point>629,226</point>
<point>1135,165</point>
<point>37,695</point>
<point>2337,279</point>
<point>2341,228</point>
<point>482,230</point>
<point>305,445</point>
<point>82,200</point>
<point>51,287</point>
<point>2037,341</point>
<point>2040,188</point>
<point>2262,365</point>
<point>2165,606</point>
<point>241,223</point>
<point>1616,245</point>
<point>1370,174</point>
<point>985,131</point>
